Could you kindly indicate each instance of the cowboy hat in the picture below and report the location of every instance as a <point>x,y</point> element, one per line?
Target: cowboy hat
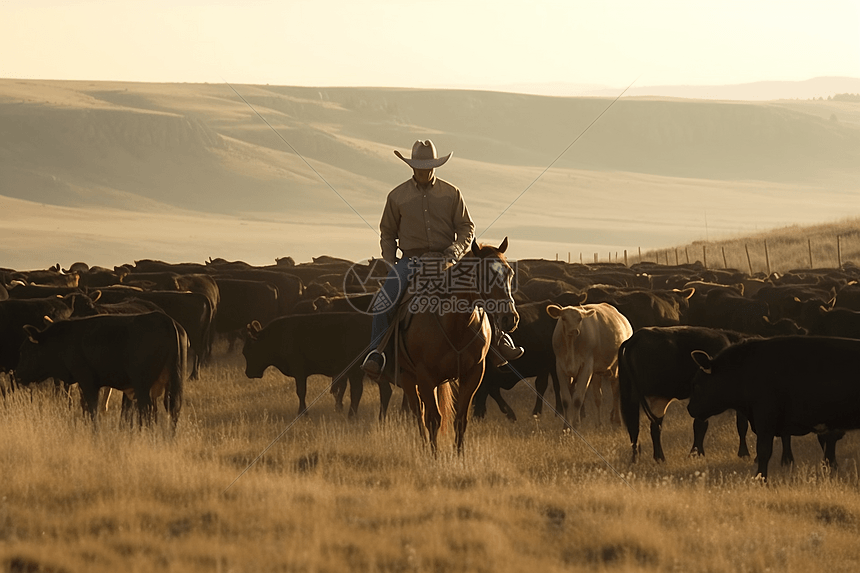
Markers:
<point>424,156</point>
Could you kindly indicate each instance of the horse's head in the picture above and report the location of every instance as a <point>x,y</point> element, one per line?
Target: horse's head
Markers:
<point>495,279</point>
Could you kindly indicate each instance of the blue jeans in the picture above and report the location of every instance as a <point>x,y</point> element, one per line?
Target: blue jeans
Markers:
<point>387,299</point>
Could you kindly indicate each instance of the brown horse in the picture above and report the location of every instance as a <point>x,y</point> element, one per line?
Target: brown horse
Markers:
<point>443,350</point>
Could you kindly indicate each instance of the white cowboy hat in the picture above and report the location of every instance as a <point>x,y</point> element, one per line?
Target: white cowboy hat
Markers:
<point>424,156</point>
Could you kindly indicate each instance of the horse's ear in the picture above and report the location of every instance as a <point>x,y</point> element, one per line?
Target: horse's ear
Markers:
<point>475,249</point>
<point>504,246</point>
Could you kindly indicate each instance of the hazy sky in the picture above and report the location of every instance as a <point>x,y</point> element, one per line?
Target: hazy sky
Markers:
<point>430,44</point>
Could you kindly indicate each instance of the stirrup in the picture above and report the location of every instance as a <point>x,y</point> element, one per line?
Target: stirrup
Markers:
<point>365,366</point>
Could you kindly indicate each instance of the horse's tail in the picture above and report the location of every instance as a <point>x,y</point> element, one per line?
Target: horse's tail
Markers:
<point>446,403</point>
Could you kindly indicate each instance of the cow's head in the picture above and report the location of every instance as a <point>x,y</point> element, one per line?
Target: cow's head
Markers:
<point>254,351</point>
<point>569,318</point>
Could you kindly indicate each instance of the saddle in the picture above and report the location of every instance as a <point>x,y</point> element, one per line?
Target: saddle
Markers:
<point>403,317</point>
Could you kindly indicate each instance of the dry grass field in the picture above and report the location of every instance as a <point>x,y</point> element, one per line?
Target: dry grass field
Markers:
<point>330,494</point>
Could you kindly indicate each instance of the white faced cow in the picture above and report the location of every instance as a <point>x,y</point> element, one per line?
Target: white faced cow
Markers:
<point>586,341</point>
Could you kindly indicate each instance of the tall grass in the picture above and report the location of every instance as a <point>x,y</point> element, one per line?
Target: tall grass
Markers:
<point>336,495</point>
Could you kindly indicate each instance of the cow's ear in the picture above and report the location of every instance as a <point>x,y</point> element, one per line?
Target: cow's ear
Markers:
<point>504,246</point>
<point>32,333</point>
<point>588,312</point>
<point>95,296</point>
<point>823,310</point>
<point>475,249</point>
<point>766,318</point>
<point>687,293</point>
<point>48,320</point>
<point>553,310</point>
<point>254,330</point>
<point>703,359</point>
<point>831,303</point>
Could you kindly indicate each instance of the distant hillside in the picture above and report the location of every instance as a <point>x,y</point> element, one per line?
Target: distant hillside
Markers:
<point>651,172</point>
<point>200,147</point>
<point>820,87</point>
<point>754,91</point>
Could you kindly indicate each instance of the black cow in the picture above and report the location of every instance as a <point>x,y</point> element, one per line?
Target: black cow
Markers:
<point>289,288</point>
<point>142,355</point>
<point>849,297</point>
<point>15,314</point>
<point>333,344</point>
<point>726,310</point>
<point>820,320</point>
<point>786,386</point>
<point>534,334</point>
<point>242,302</point>
<point>22,291</point>
<point>655,367</point>
<point>644,308</point>
<point>190,309</point>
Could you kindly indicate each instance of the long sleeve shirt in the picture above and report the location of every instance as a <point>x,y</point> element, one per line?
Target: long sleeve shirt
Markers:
<point>422,218</point>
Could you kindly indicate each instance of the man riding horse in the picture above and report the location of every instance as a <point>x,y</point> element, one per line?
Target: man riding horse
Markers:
<point>426,217</point>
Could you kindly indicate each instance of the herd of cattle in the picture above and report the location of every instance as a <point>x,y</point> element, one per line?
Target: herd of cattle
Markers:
<point>783,350</point>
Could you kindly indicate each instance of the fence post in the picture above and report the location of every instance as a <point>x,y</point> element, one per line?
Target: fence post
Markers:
<point>568,257</point>
<point>676,256</point>
<point>766,258</point>
<point>640,254</point>
<point>580,257</point>
<point>705,254</point>
<point>839,250</point>
<point>809,245</point>
<point>556,256</point>
<point>687,254</point>
<point>595,257</point>
<point>625,257</point>
<point>749,262</point>
<point>725,264</point>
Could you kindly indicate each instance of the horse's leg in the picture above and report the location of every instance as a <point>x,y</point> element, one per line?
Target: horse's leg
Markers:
<point>410,397</point>
<point>479,401</point>
<point>469,384</point>
<point>432,416</point>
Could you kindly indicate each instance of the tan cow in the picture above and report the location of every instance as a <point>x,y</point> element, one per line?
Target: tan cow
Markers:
<point>586,341</point>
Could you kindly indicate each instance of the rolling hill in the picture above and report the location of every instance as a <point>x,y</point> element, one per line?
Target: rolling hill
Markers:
<point>180,163</point>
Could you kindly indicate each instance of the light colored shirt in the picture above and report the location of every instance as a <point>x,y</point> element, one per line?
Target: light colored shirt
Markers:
<point>423,218</point>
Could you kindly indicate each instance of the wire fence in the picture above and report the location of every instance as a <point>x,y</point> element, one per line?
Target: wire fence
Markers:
<point>765,256</point>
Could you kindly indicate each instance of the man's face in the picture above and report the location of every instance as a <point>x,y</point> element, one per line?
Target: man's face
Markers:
<point>423,176</point>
